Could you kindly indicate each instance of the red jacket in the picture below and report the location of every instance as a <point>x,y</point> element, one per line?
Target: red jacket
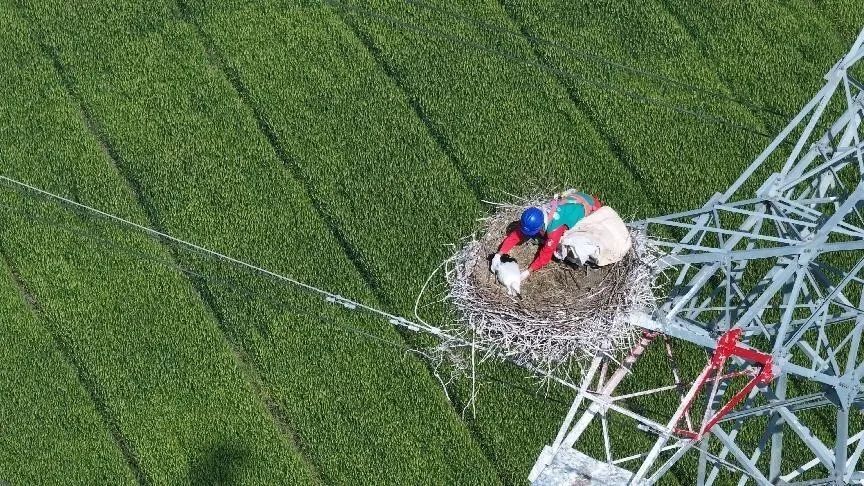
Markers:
<point>544,256</point>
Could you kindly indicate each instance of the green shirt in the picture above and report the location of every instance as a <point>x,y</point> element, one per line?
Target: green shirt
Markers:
<point>568,213</point>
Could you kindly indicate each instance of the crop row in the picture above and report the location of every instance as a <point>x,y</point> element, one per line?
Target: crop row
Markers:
<point>704,142</point>
<point>386,154</point>
<point>753,60</point>
<point>596,157</point>
<point>145,350</point>
<point>345,145</point>
<point>425,55</point>
<point>50,424</point>
<point>204,166</point>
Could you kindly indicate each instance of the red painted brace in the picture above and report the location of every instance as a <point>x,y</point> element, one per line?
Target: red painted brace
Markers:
<point>728,346</point>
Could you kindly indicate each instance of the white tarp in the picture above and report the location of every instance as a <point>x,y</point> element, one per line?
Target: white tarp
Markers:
<point>601,237</point>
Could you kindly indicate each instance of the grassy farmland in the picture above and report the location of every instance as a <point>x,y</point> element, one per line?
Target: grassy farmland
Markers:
<point>343,144</point>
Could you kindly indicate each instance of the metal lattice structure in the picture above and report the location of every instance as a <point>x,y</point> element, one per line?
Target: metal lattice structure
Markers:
<point>767,278</point>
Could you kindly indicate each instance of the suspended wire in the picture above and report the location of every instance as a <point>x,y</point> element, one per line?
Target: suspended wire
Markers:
<point>197,248</point>
<point>232,285</point>
<point>335,298</point>
<point>639,98</point>
<point>589,56</point>
<point>104,243</point>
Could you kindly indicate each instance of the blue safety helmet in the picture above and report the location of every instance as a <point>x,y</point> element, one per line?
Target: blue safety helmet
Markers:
<point>531,221</point>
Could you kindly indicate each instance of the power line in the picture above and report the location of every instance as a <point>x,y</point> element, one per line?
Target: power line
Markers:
<point>589,56</point>
<point>331,297</point>
<point>191,247</point>
<point>636,97</point>
<point>233,286</point>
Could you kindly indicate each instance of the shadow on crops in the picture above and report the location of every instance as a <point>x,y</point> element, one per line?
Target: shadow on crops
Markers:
<point>218,465</point>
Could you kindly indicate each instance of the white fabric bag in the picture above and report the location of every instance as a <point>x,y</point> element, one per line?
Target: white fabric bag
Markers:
<point>601,237</point>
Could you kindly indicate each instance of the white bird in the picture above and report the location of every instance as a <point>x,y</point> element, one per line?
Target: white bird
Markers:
<point>507,271</point>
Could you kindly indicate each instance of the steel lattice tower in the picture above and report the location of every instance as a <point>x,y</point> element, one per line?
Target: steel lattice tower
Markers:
<point>767,278</point>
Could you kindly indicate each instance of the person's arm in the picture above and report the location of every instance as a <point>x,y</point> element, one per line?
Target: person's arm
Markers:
<point>544,256</point>
<point>513,238</point>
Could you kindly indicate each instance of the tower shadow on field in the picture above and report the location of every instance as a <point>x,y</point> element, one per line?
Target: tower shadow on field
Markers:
<point>218,465</point>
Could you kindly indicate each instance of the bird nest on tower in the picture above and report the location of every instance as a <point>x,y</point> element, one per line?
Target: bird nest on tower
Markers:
<point>565,315</point>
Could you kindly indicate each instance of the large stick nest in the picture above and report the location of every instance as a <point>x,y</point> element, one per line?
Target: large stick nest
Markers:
<point>566,313</point>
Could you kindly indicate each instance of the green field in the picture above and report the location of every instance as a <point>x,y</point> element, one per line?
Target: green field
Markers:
<point>344,144</point>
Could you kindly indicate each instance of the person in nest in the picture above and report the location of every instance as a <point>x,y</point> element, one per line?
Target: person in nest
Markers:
<point>548,222</point>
